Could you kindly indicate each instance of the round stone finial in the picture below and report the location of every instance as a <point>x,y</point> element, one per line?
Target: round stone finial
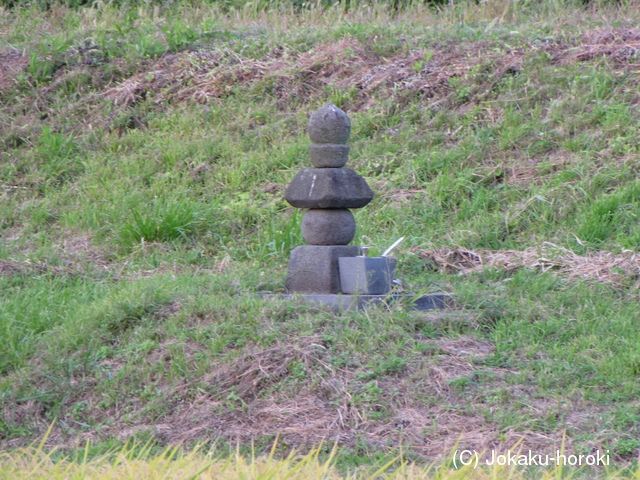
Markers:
<point>329,125</point>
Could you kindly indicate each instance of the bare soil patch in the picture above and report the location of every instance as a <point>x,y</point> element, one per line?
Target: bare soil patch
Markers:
<point>12,63</point>
<point>76,254</point>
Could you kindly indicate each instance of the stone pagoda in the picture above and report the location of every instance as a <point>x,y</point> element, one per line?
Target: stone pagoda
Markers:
<point>327,191</point>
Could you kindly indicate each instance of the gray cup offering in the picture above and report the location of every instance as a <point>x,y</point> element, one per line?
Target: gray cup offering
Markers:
<point>366,275</point>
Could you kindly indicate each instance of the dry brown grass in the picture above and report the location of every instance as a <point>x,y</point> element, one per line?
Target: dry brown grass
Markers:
<point>329,410</point>
<point>601,266</point>
<point>351,64</point>
<point>366,74</point>
<point>346,64</point>
<point>422,404</point>
<point>620,45</point>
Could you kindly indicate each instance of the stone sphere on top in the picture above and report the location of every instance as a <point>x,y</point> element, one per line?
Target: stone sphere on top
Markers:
<point>329,129</point>
<point>329,125</point>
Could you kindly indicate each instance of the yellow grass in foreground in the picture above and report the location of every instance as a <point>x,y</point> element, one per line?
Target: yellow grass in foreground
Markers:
<point>135,464</point>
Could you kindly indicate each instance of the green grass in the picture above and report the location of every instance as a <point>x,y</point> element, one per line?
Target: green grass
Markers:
<point>144,154</point>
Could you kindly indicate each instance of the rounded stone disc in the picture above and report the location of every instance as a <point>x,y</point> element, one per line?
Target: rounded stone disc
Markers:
<point>328,226</point>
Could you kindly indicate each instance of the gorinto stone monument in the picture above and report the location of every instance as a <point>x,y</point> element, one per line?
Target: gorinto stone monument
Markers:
<point>328,191</point>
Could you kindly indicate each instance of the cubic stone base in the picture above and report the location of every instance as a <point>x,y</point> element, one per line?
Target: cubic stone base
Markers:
<point>314,269</point>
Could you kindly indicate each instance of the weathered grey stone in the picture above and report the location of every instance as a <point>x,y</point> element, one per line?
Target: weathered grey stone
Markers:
<point>328,156</point>
<point>314,268</point>
<point>329,125</point>
<point>328,226</point>
<point>339,302</point>
<point>328,188</point>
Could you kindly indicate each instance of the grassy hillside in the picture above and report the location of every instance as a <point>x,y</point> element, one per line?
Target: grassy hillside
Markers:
<point>144,153</point>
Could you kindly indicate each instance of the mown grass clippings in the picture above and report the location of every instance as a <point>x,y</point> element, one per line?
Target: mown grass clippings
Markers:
<point>599,266</point>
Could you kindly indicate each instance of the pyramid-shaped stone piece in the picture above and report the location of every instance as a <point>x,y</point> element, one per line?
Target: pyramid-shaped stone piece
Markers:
<point>328,188</point>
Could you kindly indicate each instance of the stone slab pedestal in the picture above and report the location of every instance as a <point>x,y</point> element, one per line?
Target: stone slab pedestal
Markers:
<point>314,268</point>
<point>340,303</point>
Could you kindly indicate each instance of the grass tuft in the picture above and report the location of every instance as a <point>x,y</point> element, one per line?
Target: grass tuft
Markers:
<point>164,221</point>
